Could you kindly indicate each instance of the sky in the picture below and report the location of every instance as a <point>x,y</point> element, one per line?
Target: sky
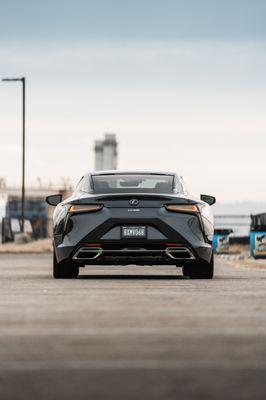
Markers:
<point>181,83</point>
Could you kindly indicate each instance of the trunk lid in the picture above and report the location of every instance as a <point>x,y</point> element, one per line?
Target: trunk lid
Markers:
<point>131,200</point>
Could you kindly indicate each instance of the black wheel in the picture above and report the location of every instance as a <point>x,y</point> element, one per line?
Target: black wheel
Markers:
<point>185,271</point>
<point>199,270</point>
<point>64,269</point>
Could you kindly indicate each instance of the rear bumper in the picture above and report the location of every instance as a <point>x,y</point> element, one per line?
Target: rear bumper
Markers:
<point>88,255</point>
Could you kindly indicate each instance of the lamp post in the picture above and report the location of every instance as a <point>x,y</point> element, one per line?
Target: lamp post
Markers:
<point>23,81</point>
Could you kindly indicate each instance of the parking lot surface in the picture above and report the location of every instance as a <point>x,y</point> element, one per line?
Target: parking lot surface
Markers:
<point>130,333</point>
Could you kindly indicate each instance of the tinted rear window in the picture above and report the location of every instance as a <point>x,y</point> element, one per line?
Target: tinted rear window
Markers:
<point>143,183</point>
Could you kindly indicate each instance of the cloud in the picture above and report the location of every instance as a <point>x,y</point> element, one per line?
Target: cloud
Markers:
<point>140,63</point>
<point>193,106</point>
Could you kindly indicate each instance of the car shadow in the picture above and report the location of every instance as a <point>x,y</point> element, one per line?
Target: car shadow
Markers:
<point>130,276</point>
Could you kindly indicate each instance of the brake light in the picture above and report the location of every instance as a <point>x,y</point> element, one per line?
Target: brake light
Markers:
<point>78,208</point>
<point>182,208</point>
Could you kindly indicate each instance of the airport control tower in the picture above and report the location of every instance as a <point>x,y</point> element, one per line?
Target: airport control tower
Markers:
<point>106,153</point>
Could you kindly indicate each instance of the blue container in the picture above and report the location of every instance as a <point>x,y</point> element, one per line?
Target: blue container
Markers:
<point>221,241</point>
<point>258,236</point>
<point>258,244</point>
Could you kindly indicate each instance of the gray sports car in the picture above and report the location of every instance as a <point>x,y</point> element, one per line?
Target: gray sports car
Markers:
<point>142,218</point>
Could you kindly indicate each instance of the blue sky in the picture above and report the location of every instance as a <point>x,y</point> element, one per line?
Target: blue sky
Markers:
<point>136,19</point>
<point>182,83</point>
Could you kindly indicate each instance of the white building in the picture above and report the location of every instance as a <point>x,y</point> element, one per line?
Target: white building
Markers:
<point>106,153</point>
<point>3,205</point>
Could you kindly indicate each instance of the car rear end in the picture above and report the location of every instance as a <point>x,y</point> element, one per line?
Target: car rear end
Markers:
<point>133,228</point>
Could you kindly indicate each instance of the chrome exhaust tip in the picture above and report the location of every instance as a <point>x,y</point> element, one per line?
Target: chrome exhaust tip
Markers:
<point>87,253</point>
<point>178,253</point>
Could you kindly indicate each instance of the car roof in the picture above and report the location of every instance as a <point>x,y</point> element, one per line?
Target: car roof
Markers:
<point>131,172</point>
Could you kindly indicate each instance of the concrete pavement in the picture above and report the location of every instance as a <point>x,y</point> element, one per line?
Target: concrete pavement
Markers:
<point>130,332</point>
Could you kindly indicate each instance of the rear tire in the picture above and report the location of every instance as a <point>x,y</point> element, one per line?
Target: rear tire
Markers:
<point>64,269</point>
<point>199,270</point>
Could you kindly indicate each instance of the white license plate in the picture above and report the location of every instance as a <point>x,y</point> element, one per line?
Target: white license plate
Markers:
<point>133,231</point>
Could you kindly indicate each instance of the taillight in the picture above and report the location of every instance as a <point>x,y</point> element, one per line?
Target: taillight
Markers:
<point>182,208</point>
<point>80,208</point>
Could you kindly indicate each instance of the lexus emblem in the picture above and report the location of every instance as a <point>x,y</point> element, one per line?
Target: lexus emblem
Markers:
<point>133,202</point>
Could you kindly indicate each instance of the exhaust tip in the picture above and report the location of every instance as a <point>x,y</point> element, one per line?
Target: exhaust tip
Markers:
<point>85,253</point>
<point>178,253</point>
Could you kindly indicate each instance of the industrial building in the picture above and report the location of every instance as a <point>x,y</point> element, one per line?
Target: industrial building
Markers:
<point>36,210</point>
<point>106,153</point>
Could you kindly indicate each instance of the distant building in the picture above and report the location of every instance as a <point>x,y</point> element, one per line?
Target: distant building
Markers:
<point>36,209</point>
<point>98,154</point>
<point>3,204</point>
<point>106,153</point>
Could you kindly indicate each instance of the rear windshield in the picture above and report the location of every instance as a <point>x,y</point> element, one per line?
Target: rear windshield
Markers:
<point>142,183</point>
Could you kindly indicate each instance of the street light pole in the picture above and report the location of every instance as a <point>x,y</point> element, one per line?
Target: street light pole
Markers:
<point>23,81</point>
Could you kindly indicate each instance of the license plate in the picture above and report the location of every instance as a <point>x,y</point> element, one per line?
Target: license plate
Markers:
<point>133,231</point>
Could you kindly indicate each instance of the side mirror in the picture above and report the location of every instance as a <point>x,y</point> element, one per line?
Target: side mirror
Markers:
<point>208,199</point>
<point>54,199</point>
